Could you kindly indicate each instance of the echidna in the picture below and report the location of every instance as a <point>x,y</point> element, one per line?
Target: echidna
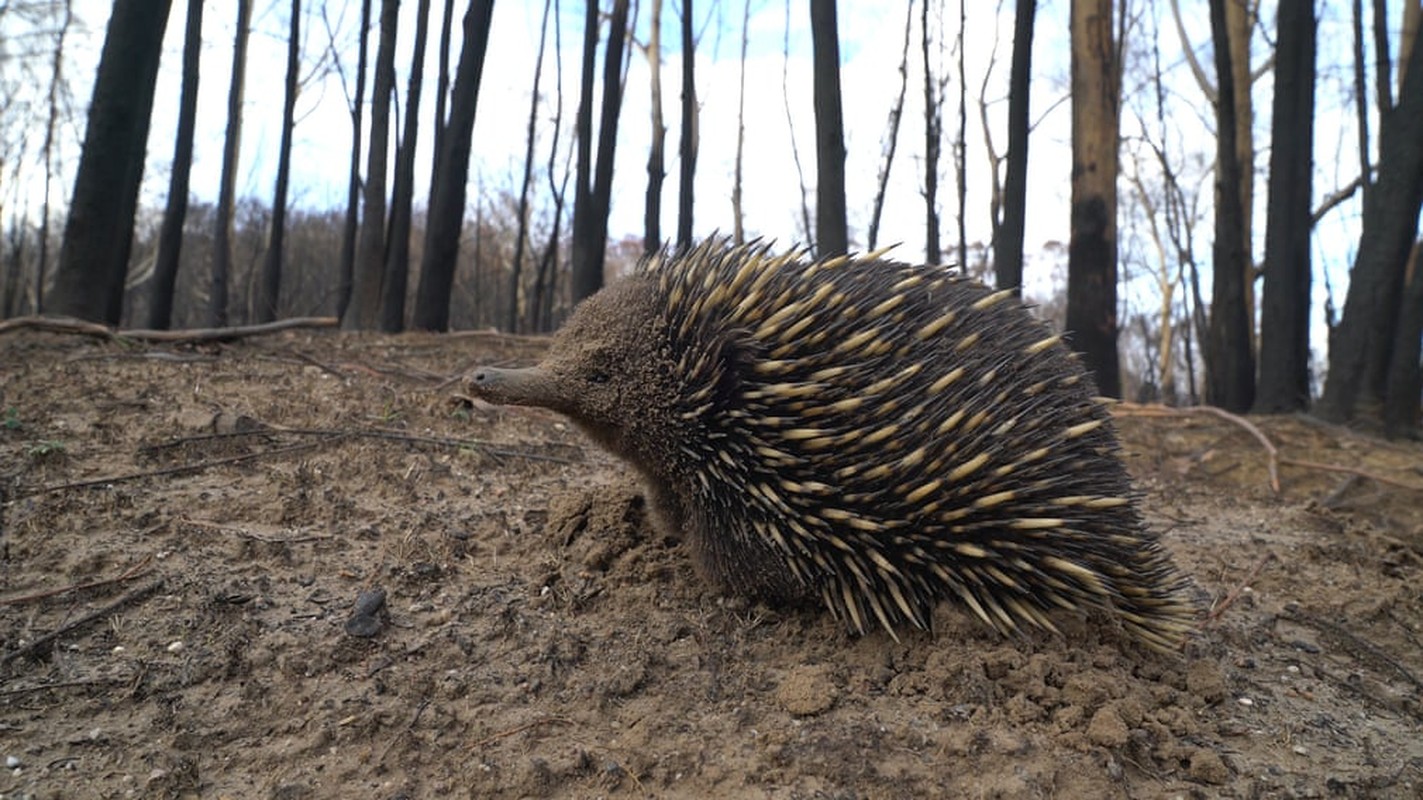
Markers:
<point>877,435</point>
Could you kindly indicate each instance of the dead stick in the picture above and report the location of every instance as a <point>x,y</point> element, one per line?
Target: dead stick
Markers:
<point>1156,410</point>
<point>134,596</point>
<point>133,476</point>
<point>1373,476</point>
<point>127,575</point>
<point>521,729</point>
<point>79,326</point>
<point>58,685</point>
<point>482,445</point>
<point>1235,593</point>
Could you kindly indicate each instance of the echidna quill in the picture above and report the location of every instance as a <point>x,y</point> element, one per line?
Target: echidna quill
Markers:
<point>878,435</point>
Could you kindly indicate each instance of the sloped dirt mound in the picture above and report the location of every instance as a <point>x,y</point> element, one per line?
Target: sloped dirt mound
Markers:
<point>196,543</point>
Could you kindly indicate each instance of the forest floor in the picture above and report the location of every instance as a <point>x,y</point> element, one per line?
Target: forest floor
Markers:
<point>191,538</point>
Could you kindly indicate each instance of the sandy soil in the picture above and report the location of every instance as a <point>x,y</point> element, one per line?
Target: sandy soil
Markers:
<point>194,542</point>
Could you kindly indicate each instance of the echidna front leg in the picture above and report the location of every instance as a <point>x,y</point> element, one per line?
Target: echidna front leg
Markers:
<point>735,560</point>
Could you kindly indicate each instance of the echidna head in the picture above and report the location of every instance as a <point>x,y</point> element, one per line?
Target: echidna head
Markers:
<point>606,370</point>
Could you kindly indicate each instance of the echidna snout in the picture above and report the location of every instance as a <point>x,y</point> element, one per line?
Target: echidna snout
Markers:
<point>875,435</point>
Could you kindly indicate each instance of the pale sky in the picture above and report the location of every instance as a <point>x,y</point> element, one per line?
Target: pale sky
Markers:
<point>871,40</point>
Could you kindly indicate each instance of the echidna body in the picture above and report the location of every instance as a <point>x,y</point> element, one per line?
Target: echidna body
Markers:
<point>877,435</point>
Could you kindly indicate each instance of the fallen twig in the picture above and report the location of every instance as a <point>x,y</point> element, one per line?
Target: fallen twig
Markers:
<point>482,445</point>
<point>1220,608</point>
<point>178,470</point>
<point>520,729</point>
<point>1156,410</point>
<point>202,523</point>
<point>127,575</point>
<point>132,597</point>
<point>191,335</point>
<point>19,690</point>
<point>1373,476</point>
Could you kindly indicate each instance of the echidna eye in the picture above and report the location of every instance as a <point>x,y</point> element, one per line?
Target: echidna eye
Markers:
<point>597,376</point>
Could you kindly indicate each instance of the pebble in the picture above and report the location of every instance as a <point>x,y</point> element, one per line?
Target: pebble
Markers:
<point>1245,701</point>
<point>175,647</point>
<point>12,762</point>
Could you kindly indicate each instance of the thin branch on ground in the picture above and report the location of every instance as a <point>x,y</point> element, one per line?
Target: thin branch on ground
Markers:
<point>482,445</point>
<point>520,729</point>
<point>1157,410</point>
<point>141,568</point>
<point>189,336</point>
<point>39,644</point>
<point>215,526</point>
<point>178,470</point>
<point>1220,608</point>
<point>1362,473</point>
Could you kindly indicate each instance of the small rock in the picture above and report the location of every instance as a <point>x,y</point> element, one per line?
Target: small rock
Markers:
<point>365,620</point>
<point>175,647</point>
<point>12,762</point>
<point>1245,701</point>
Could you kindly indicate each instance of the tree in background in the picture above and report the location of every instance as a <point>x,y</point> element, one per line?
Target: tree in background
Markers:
<point>1092,251</point>
<point>891,139</point>
<point>1363,347</point>
<point>592,199</point>
<point>445,219</point>
<point>56,81</point>
<point>1230,362</point>
<point>227,190</point>
<point>353,183</point>
<point>397,249</point>
<point>831,231</point>
<point>933,133</point>
<point>520,239</point>
<point>363,312</point>
<point>170,240</point>
<point>687,150</point>
<point>93,259</point>
<point>1008,237</point>
<point>1285,295</point>
<point>270,284</point>
<point>738,230</point>
<point>656,157</point>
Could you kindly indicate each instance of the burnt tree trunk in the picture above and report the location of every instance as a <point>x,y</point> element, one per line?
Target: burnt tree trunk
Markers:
<point>591,201</point>
<point>1230,363</point>
<point>516,269</point>
<point>831,232</point>
<point>1361,348</point>
<point>933,133</point>
<point>446,216</point>
<point>1092,251</point>
<point>1008,244</point>
<point>363,313</point>
<point>269,287</point>
<point>896,114</point>
<point>93,259</point>
<point>227,189</point>
<point>687,150</point>
<point>175,215</point>
<point>656,156</point>
<point>353,184</point>
<point>402,196</point>
<point>1285,296</point>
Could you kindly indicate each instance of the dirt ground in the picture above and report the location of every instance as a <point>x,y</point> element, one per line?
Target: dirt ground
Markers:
<point>194,539</point>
